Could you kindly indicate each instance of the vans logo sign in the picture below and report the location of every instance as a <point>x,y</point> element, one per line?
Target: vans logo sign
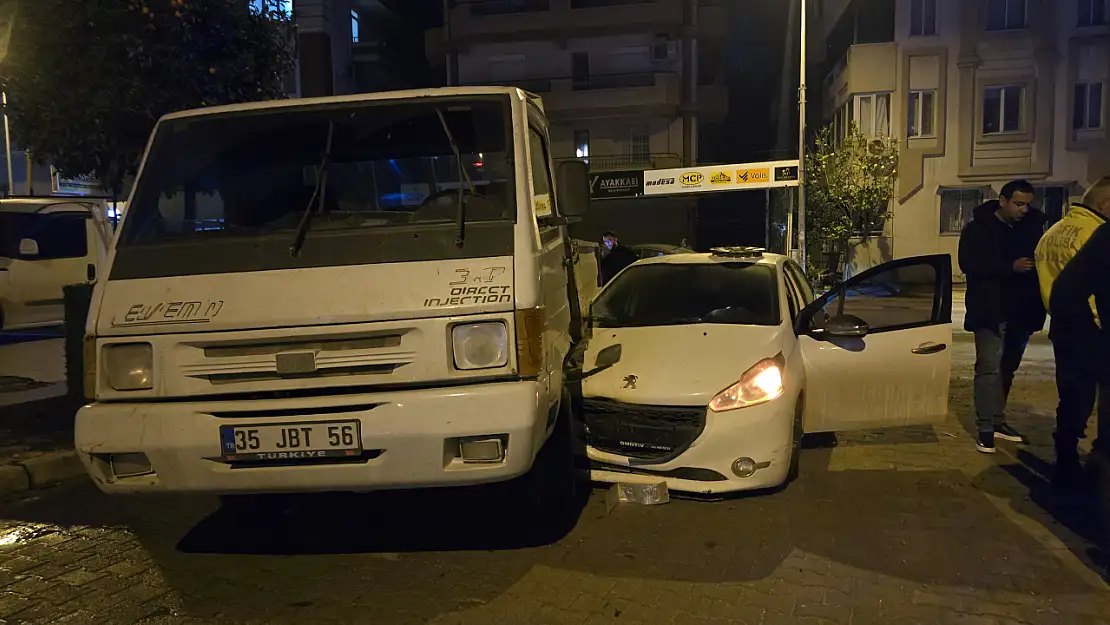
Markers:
<point>169,313</point>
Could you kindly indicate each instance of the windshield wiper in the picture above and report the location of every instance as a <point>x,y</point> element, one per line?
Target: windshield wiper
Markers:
<point>317,200</point>
<point>460,238</point>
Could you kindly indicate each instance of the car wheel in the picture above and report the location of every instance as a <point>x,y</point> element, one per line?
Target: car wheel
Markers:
<point>797,433</point>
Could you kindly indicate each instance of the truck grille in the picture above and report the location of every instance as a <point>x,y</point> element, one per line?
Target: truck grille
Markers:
<point>235,361</point>
<point>657,433</point>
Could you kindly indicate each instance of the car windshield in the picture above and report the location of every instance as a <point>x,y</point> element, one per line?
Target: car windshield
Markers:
<point>659,294</point>
<point>390,165</point>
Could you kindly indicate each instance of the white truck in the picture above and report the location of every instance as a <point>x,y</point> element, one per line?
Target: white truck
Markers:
<point>339,294</point>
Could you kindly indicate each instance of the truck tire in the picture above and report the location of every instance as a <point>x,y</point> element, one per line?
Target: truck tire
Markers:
<point>549,493</point>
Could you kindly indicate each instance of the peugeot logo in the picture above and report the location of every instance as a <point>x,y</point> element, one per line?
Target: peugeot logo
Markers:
<point>630,381</point>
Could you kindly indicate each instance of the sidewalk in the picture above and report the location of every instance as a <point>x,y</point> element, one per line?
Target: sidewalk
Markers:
<point>36,417</point>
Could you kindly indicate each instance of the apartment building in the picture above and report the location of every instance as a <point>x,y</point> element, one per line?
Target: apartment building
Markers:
<point>627,84</point>
<point>357,46</point>
<point>977,92</point>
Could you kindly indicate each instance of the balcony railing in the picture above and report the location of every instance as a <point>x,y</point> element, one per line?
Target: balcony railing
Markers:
<point>613,81</point>
<point>587,83</point>
<point>589,4</point>
<point>620,162</point>
<point>505,7</point>
<point>534,85</point>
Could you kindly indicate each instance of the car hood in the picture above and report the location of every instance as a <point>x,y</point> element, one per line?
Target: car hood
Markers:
<point>676,365</point>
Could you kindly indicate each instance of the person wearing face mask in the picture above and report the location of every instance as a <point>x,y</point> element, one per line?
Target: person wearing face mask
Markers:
<point>1003,301</point>
<point>614,256</point>
<point>1075,330</point>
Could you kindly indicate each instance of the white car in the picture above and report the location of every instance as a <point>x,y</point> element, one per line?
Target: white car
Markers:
<point>47,243</point>
<point>704,370</point>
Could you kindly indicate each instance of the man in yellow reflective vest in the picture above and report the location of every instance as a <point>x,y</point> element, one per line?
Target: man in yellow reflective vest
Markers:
<point>1074,336</point>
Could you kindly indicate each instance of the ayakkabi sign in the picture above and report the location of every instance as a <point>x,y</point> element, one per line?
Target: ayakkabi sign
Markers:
<point>614,184</point>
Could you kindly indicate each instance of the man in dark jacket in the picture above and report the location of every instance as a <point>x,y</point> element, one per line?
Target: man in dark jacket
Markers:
<point>615,256</point>
<point>1003,301</point>
<point>1087,275</point>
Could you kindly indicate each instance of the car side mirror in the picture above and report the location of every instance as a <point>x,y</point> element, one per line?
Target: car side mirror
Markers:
<point>846,326</point>
<point>606,358</point>
<point>28,248</point>
<point>573,188</point>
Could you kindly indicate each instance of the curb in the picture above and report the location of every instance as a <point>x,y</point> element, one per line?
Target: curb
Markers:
<point>40,472</point>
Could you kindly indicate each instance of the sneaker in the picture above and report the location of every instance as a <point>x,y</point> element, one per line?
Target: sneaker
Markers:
<point>985,443</point>
<point>1007,433</point>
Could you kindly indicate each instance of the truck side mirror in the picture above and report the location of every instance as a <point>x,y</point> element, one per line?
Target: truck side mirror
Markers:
<point>573,188</point>
<point>28,248</point>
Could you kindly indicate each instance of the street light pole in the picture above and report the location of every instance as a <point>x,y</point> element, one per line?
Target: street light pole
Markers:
<point>8,146</point>
<point>802,138</point>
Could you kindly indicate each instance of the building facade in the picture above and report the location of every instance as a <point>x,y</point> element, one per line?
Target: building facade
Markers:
<point>356,46</point>
<point>626,84</point>
<point>977,93</point>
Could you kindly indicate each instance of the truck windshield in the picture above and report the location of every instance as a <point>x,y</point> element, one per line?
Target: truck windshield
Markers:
<point>240,183</point>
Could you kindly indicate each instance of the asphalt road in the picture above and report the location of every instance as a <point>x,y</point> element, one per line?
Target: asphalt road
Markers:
<point>898,526</point>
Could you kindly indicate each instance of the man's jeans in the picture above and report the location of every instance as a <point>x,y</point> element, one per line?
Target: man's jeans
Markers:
<point>997,357</point>
<point>1080,378</point>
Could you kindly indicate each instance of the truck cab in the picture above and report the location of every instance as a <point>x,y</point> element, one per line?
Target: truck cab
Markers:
<point>352,293</point>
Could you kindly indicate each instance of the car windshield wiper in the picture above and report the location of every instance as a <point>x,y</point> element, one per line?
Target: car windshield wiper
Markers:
<point>460,238</point>
<point>317,199</point>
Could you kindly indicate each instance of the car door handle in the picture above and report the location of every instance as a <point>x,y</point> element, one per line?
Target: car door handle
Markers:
<point>930,348</point>
<point>90,271</point>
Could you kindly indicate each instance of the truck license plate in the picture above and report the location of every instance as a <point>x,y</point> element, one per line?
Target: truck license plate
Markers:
<point>290,441</point>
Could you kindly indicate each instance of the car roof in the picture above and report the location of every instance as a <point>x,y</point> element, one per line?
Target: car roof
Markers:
<point>703,258</point>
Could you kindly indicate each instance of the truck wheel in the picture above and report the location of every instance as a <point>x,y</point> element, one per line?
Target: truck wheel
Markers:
<point>550,492</point>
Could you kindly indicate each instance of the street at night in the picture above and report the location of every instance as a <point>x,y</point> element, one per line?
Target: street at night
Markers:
<point>899,526</point>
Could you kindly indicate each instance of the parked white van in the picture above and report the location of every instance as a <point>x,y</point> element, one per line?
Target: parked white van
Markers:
<point>339,294</point>
<point>47,243</point>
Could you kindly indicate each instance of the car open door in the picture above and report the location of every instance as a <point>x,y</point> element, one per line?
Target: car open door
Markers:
<point>876,348</point>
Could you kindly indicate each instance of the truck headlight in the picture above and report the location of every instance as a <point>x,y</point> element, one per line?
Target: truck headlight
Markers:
<point>761,383</point>
<point>129,366</point>
<point>480,345</point>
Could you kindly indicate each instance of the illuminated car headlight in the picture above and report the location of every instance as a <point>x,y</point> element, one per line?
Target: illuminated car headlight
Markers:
<point>480,345</point>
<point>129,366</point>
<point>760,384</point>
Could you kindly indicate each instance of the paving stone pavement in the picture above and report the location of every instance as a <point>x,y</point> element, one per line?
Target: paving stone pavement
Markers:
<point>899,526</point>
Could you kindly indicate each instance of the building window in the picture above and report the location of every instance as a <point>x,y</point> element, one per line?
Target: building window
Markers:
<point>923,17</point>
<point>639,141</point>
<point>1003,108</point>
<point>921,114</point>
<point>582,143</point>
<point>957,206</point>
<point>872,113</point>
<point>354,26</point>
<point>1005,14</point>
<point>1087,114</point>
<point>1092,12</point>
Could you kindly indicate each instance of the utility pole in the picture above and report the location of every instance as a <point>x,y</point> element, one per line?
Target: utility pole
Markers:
<point>802,138</point>
<point>8,146</point>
